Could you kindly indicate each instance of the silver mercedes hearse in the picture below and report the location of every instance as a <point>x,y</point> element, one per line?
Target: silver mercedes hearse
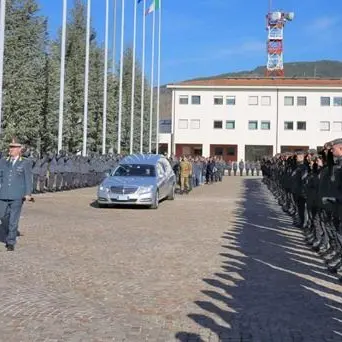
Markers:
<point>139,179</point>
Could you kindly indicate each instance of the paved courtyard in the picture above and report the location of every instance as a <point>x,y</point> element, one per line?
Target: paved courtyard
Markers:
<point>221,264</point>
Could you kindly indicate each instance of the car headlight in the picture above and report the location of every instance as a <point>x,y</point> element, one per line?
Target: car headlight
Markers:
<point>144,189</point>
<point>103,188</point>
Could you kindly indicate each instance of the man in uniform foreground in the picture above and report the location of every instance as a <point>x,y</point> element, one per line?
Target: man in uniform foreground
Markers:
<point>15,189</point>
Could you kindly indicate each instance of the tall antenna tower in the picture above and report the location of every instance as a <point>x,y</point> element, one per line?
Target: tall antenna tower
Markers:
<point>276,21</point>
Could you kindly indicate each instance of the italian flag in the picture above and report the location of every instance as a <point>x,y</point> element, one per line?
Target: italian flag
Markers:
<point>153,7</point>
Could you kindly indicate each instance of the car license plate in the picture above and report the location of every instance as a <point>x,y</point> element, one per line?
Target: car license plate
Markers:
<point>123,198</point>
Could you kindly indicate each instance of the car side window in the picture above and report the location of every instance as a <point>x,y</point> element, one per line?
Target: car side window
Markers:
<point>160,170</point>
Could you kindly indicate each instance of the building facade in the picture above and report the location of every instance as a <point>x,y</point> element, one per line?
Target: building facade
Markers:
<point>248,118</point>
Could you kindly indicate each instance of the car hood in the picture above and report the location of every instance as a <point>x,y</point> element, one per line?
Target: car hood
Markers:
<point>129,181</point>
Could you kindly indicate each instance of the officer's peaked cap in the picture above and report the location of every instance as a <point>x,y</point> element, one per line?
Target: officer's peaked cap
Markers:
<point>336,142</point>
<point>312,151</point>
<point>15,143</point>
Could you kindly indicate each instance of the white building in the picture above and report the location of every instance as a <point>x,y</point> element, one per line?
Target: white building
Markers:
<point>248,118</point>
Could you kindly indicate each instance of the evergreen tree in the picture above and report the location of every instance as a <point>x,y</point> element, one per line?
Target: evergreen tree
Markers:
<point>24,98</point>
<point>32,85</point>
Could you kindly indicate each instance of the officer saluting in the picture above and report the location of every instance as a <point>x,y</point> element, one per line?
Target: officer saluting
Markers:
<point>15,188</point>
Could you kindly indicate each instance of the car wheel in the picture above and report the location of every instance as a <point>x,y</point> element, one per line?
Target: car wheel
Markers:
<point>172,194</point>
<point>155,205</point>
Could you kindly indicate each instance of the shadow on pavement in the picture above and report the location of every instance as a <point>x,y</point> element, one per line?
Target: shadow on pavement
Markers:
<point>272,287</point>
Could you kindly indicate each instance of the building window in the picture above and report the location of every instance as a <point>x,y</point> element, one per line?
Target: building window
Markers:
<point>182,124</point>
<point>183,99</point>
<point>218,124</point>
<point>230,124</point>
<point>325,101</point>
<point>288,125</point>
<point>266,125</point>
<point>338,101</point>
<point>337,126</point>
<point>230,151</point>
<point>301,125</point>
<point>301,100</point>
<point>265,100</point>
<point>253,100</point>
<point>324,126</point>
<point>218,151</point>
<point>195,124</point>
<point>230,100</point>
<point>288,101</point>
<point>196,100</point>
<point>218,100</point>
<point>252,125</point>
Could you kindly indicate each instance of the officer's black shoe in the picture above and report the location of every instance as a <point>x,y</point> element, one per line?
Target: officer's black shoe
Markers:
<point>10,248</point>
<point>18,233</point>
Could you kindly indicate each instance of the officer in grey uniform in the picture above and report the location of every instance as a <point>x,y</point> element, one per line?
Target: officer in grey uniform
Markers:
<point>241,167</point>
<point>247,167</point>
<point>229,167</point>
<point>60,171</point>
<point>15,188</point>
<point>52,172</point>
<point>235,166</point>
<point>36,171</point>
<point>43,173</point>
<point>258,167</point>
<point>252,168</point>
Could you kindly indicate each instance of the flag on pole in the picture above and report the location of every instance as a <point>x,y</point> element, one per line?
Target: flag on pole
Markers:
<point>153,7</point>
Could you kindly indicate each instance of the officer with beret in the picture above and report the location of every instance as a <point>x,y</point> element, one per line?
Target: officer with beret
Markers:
<point>15,188</point>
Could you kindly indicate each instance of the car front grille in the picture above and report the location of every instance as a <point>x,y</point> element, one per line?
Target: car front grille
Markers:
<point>121,190</point>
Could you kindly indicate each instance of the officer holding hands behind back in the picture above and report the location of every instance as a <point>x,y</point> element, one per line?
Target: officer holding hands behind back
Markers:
<point>15,189</point>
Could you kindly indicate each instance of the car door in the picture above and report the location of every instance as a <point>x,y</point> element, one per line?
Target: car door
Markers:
<point>169,175</point>
<point>161,179</point>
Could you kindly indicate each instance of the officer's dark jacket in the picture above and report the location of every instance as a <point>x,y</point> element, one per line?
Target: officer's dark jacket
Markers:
<point>15,181</point>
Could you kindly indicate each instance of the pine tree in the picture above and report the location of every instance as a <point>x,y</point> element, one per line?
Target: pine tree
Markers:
<point>24,72</point>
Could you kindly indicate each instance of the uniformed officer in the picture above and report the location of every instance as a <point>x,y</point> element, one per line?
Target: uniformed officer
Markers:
<point>241,167</point>
<point>15,188</point>
<point>229,167</point>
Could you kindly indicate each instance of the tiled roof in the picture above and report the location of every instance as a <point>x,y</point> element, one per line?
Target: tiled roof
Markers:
<point>259,82</point>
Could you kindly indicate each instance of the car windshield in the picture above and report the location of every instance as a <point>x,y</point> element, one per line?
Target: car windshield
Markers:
<point>134,170</point>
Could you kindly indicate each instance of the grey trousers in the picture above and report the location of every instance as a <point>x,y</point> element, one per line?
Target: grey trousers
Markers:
<point>10,214</point>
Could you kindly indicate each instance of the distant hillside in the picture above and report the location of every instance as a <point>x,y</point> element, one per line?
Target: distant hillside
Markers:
<point>320,69</point>
<point>323,69</point>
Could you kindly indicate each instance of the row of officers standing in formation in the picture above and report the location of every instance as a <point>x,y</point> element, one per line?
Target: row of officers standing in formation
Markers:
<point>308,186</point>
<point>65,171</point>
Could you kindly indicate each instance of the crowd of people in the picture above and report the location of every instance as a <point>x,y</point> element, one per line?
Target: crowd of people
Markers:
<point>194,171</point>
<point>66,171</point>
<point>308,186</point>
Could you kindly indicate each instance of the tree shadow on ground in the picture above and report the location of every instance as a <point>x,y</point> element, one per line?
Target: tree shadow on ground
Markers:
<point>272,287</point>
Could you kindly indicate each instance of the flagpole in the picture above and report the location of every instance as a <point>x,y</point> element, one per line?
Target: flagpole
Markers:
<point>105,82</point>
<point>152,82</point>
<point>133,76</point>
<point>114,37</point>
<point>158,76</point>
<point>121,73</point>
<point>2,49</point>
<point>62,79</point>
<point>86,82</point>
<point>143,81</point>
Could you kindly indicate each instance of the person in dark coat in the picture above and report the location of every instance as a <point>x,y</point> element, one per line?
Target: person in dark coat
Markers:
<point>15,188</point>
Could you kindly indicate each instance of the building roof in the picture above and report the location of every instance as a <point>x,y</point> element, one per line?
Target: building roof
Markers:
<point>260,82</point>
